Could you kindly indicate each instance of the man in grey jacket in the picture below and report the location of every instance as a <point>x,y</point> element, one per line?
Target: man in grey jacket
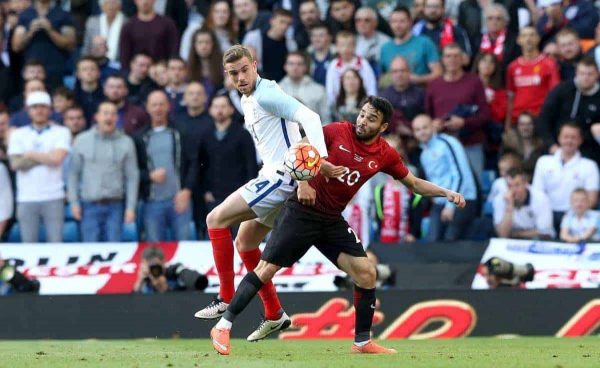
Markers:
<point>302,87</point>
<point>103,178</point>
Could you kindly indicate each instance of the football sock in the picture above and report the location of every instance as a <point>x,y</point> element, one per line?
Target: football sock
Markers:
<point>267,293</point>
<point>364,304</point>
<point>222,245</point>
<point>246,290</point>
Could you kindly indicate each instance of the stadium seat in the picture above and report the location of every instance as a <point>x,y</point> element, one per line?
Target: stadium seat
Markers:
<point>14,235</point>
<point>193,232</point>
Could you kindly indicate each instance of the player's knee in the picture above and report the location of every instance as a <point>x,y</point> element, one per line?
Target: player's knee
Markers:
<point>266,271</point>
<point>215,219</point>
<point>242,245</point>
<point>366,275</point>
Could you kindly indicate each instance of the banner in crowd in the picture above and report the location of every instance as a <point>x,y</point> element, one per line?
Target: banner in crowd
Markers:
<point>112,268</point>
<point>557,265</point>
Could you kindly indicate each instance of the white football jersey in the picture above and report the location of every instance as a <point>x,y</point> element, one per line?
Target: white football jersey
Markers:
<point>268,115</point>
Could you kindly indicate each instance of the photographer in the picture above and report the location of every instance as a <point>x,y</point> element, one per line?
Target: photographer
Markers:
<point>501,273</point>
<point>13,281</point>
<point>155,277</point>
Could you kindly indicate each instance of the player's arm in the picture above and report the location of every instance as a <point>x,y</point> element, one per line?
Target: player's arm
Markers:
<point>428,189</point>
<point>279,103</point>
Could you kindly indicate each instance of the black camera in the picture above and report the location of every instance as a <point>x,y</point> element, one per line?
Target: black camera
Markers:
<point>156,270</point>
<point>19,282</point>
<point>508,273</point>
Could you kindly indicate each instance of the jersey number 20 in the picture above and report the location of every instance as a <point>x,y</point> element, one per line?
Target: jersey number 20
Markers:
<point>350,178</point>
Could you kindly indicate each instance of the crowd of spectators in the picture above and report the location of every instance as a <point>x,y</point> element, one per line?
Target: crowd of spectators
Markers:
<point>117,114</point>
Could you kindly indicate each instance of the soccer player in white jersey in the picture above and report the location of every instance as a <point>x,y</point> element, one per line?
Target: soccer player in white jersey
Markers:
<point>273,119</point>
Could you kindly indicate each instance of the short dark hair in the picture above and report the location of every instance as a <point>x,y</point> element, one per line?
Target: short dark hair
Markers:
<point>300,54</point>
<point>64,92</point>
<point>513,172</point>
<point>33,62</point>
<point>144,54</point>
<point>87,58</point>
<point>579,190</point>
<point>320,25</point>
<point>281,12</point>
<point>74,108</point>
<point>176,58</point>
<point>588,61</point>
<point>402,9</point>
<point>382,105</point>
<point>152,252</point>
<point>117,76</point>
<point>570,124</point>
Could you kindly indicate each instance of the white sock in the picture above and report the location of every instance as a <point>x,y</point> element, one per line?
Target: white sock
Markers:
<point>362,343</point>
<point>224,324</point>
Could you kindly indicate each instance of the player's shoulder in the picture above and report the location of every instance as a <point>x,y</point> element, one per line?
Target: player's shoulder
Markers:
<point>267,91</point>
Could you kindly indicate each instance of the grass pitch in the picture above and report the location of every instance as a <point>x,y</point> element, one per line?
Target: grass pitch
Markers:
<point>463,353</point>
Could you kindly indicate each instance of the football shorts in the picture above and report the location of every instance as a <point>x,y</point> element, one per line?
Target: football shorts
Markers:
<point>265,196</point>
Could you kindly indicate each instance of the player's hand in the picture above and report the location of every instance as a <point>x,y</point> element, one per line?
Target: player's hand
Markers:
<point>158,176</point>
<point>306,194</point>
<point>456,198</point>
<point>76,212</point>
<point>329,170</point>
<point>129,216</point>
<point>447,214</point>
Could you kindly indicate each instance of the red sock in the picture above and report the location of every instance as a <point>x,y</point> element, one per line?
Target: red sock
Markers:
<point>267,293</point>
<point>222,245</point>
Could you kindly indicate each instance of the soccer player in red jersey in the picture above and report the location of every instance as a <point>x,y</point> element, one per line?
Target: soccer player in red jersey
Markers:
<point>312,216</point>
<point>530,78</point>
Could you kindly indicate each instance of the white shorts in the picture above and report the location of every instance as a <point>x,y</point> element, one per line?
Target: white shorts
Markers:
<point>266,196</point>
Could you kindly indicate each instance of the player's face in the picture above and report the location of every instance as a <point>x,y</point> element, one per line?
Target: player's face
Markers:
<point>369,123</point>
<point>243,74</point>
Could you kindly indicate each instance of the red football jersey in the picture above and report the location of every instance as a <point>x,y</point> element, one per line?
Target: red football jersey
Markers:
<point>530,81</point>
<point>361,161</point>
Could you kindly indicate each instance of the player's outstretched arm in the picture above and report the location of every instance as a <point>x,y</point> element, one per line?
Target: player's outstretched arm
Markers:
<point>428,189</point>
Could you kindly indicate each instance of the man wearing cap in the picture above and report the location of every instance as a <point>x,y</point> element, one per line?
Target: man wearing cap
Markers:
<point>36,152</point>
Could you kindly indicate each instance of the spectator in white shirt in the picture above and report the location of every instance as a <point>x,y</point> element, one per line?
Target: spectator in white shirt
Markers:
<point>522,212</point>
<point>579,224</point>
<point>346,47</point>
<point>6,199</point>
<point>507,161</point>
<point>559,174</point>
<point>37,152</point>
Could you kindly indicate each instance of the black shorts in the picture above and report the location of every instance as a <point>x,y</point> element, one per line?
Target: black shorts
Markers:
<point>299,227</point>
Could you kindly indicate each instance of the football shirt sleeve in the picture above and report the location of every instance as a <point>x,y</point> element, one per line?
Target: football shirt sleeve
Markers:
<point>395,166</point>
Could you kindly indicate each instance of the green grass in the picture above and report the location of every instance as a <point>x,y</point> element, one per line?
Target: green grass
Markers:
<point>463,353</point>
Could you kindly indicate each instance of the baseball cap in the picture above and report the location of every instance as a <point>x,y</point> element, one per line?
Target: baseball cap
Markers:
<point>547,3</point>
<point>38,98</point>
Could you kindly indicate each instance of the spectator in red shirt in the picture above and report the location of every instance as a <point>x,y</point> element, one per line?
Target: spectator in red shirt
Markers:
<point>529,78</point>
<point>488,67</point>
<point>149,33</point>
<point>456,101</point>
